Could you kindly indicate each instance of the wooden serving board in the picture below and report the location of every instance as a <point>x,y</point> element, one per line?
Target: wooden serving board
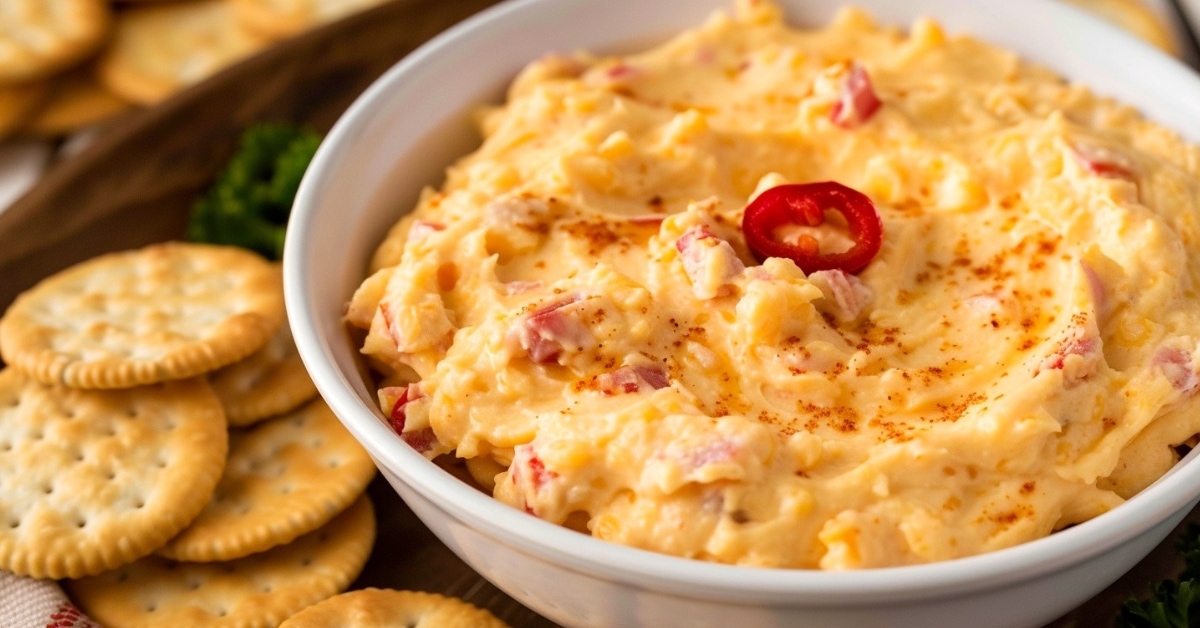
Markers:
<point>136,182</point>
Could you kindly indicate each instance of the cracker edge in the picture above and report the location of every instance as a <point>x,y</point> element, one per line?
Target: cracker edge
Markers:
<point>56,567</point>
<point>233,339</point>
<point>272,534</point>
<point>348,558</point>
<point>248,408</point>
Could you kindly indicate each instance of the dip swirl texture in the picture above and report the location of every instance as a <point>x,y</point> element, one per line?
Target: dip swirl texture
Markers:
<point>575,313</point>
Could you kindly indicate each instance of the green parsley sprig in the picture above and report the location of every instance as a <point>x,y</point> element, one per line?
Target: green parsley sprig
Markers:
<point>248,203</point>
<point>1172,603</point>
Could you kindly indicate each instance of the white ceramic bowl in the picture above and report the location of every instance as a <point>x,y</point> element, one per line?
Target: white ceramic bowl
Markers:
<point>407,127</point>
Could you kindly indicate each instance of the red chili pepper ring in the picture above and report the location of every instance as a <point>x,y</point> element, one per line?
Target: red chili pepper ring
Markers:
<point>805,204</point>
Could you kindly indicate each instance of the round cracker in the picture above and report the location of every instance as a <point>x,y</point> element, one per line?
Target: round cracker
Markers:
<point>90,480</point>
<point>158,49</point>
<point>166,311</point>
<point>38,38</point>
<point>259,590</point>
<point>76,100</point>
<point>284,478</point>
<point>385,608</point>
<point>277,19</point>
<point>269,382</point>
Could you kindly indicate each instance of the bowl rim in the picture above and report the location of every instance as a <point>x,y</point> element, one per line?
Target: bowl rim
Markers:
<point>694,578</point>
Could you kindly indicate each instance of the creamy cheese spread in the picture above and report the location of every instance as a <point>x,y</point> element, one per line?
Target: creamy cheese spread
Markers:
<point>576,314</point>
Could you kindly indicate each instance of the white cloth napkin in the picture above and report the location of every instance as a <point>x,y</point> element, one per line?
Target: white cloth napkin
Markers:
<point>29,603</point>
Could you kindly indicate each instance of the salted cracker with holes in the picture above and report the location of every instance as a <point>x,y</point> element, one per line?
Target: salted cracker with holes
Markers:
<point>40,37</point>
<point>386,608</point>
<point>160,48</point>
<point>269,382</point>
<point>259,590</point>
<point>91,480</point>
<point>167,311</point>
<point>283,478</point>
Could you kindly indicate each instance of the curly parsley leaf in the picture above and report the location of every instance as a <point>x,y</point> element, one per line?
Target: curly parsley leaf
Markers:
<point>249,202</point>
<point>1172,605</point>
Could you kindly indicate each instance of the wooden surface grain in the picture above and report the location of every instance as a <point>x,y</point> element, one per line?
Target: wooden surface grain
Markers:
<point>136,183</point>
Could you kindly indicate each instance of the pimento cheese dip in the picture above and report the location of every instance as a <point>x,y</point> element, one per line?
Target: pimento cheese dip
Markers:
<point>575,312</point>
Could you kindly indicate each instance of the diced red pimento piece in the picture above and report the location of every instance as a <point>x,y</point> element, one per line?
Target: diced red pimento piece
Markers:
<point>716,452</point>
<point>421,440</point>
<point>1176,365</point>
<point>621,70</point>
<point>689,237</point>
<point>538,472</point>
<point>691,459</point>
<point>527,466</point>
<point>710,262</point>
<point>529,471</point>
<point>857,100</point>
<point>617,77</point>
<point>1095,286</point>
<point>851,295</point>
<point>1079,342</point>
<point>1071,346</point>
<point>622,380</point>
<point>652,375</point>
<point>632,379</point>
<point>403,396</point>
<point>423,228</point>
<point>548,331</point>
<point>1103,162</point>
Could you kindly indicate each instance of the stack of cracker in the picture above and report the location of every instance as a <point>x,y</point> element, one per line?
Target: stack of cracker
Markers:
<point>163,451</point>
<point>68,64</point>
